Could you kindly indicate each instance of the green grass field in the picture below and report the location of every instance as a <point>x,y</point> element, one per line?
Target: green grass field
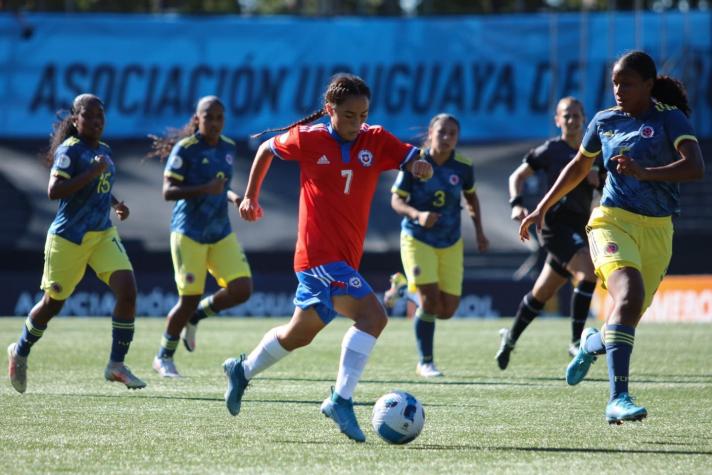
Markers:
<point>478,418</point>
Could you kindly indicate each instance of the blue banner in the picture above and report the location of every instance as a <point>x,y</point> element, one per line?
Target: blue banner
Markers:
<point>500,75</point>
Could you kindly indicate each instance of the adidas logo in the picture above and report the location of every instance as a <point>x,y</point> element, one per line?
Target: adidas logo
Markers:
<point>323,160</point>
<point>205,161</point>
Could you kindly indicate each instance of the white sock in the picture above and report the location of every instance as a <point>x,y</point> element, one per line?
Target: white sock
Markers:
<point>265,354</point>
<point>355,350</point>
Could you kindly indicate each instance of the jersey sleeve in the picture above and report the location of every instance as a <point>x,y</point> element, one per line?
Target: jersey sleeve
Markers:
<point>177,164</point>
<point>591,144</point>
<point>286,145</point>
<point>64,163</point>
<point>468,180</point>
<point>396,154</point>
<point>403,184</point>
<point>678,127</point>
<point>535,157</point>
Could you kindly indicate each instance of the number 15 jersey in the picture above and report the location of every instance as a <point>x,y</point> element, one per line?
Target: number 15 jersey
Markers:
<point>337,182</point>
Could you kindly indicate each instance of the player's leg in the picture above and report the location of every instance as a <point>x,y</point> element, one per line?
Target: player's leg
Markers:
<point>550,280</point>
<point>64,266</point>
<point>111,264</point>
<point>228,264</point>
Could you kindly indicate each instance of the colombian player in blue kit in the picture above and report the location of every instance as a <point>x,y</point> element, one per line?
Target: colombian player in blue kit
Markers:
<point>81,234</point>
<point>648,146</point>
<point>563,234</point>
<point>197,177</point>
<point>431,244</point>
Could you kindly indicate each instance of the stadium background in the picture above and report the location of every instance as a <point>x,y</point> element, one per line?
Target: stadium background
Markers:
<point>500,74</point>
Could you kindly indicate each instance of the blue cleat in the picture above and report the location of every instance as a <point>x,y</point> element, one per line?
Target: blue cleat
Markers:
<point>342,412</point>
<point>236,383</point>
<point>622,409</point>
<point>579,366</point>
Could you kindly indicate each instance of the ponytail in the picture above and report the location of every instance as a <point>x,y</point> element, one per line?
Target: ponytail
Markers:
<point>305,120</point>
<point>161,146</point>
<point>672,92</point>
<point>62,129</point>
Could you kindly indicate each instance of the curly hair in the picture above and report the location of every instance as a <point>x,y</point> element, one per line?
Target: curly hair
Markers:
<point>341,87</point>
<point>65,126</point>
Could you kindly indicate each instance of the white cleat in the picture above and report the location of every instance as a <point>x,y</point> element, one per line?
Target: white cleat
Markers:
<point>119,372</point>
<point>17,369</point>
<point>188,336</point>
<point>428,370</point>
<point>165,367</point>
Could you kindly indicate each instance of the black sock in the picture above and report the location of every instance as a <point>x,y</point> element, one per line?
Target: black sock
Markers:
<point>580,304</point>
<point>528,310</point>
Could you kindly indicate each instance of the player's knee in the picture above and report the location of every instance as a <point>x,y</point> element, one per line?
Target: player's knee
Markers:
<point>239,290</point>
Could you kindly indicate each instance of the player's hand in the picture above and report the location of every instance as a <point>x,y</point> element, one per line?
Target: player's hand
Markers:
<point>121,210</point>
<point>215,186</point>
<point>482,242</point>
<point>427,219</point>
<point>625,165</point>
<point>237,199</point>
<point>250,209</point>
<point>594,178</point>
<point>422,169</point>
<point>519,212</point>
<point>536,218</point>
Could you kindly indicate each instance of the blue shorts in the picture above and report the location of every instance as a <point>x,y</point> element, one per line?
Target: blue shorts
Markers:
<point>318,285</point>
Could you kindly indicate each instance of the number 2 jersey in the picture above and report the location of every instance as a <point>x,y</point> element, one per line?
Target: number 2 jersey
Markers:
<point>89,208</point>
<point>337,182</point>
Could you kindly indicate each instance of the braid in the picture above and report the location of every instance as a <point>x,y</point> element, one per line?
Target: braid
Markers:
<point>672,92</point>
<point>62,129</point>
<point>341,87</point>
<point>305,120</point>
<point>161,146</point>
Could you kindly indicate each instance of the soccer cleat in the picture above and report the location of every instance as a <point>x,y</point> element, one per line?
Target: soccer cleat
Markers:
<point>399,285</point>
<point>623,408</point>
<point>236,383</point>
<point>119,372</point>
<point>17,369</point>
<point>580,364</point>
<point>428,370</point>
<point>165,367</point>
<point>188,336</point>
<point>574,348</point>
<point>342,412</point>
<point>505,348</point>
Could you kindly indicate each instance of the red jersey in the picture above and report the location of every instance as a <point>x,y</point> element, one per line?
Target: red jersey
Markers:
<point>337,181</point>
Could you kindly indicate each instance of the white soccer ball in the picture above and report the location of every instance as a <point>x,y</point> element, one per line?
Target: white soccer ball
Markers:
<point>398,417</point>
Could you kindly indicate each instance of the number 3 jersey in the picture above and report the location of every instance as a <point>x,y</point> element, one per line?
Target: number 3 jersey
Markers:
<point>337,182</point>
<point>87,209</point>
<point>194,162</point>
<point>441,194</point>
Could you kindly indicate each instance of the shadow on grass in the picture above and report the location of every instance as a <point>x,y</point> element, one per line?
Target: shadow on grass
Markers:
<point>561,449</point>
<point>431,381</point>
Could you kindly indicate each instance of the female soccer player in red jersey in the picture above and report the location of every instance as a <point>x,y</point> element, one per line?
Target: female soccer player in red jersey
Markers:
<point>340,165</point>
<point>82,235</point>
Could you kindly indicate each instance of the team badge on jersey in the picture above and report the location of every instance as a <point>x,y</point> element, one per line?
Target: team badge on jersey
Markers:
<point>647,132</point>
<point>611,248</point>
<point>229,159</point>
<point>355,282</point>
<point>365,157</point>
<point>454,180</point>
<point>64,161</point>
<point>176,162</point>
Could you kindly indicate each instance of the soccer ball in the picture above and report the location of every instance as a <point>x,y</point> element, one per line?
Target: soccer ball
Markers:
<point>398,417</point>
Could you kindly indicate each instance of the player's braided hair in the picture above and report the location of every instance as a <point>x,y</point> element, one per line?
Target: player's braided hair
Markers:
<point>437,118</point>
<point>64,127</point>
<point>341,87</point>
<point>161,146</point>
<point>666,89</point>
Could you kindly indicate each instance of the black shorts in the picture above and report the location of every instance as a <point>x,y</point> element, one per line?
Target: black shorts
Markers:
<point>561,239</point>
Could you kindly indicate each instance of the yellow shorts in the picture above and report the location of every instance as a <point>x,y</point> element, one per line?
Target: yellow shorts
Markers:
<point>225,260</point>
<point>619,238</point>
<point>425,264</point>
<point>65,261</point>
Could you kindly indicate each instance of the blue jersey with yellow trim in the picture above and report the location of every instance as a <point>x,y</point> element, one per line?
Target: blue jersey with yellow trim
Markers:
<point>89,208</point>
<point>651,140</point>
<point>442,194</point>
<point>194,162</point>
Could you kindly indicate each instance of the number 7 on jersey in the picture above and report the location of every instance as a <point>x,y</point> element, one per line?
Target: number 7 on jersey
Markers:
<point>349,174</point>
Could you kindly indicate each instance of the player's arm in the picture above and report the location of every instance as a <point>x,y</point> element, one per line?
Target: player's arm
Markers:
<point>689,167</point>
<point>120,208</point>
<point>174,189</point>
<point>473,207</point>
<point>250,209</point>
<point>516,184</point>
<point>572,174</point>
<point>420,168</point>
<point>425,218</point>
<point>62,187</point>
